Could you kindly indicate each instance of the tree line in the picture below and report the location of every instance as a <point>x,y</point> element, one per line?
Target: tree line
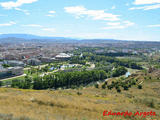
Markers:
<point>66,79</point>
<point>118,62</point>
<point>61,80</point>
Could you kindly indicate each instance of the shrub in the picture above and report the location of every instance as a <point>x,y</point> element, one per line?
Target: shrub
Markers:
<point>118,90</point>
<point>96,85</point>
<point>129,85</point>
<point>134,82</point>
<point>110,87</point>
<point>125,87</point>
<point>117,87</point>
<point>152,104</point>
<point>73,87</point>
<point>104,86</point>
<point>106,82</point>
<point>139,86</point>
<point>79,93</point>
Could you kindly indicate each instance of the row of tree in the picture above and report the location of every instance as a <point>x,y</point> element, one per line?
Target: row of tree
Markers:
<point>61,80</point>
<point>115,54</point>
<point>67,79</point>
<point>118,62</point>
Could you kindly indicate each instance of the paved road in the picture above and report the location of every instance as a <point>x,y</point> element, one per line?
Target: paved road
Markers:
<point>12,77</point>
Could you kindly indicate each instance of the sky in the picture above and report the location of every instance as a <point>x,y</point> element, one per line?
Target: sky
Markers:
<point>105,19</point>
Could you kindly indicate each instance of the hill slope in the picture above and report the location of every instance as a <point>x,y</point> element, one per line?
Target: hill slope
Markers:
<point>83,104</point>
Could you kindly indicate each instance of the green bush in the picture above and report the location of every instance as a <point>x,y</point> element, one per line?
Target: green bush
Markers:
<point>96,85</point>
<point>79,93</point>
<point>110,87</point>
<point>106,83</point>
<point>119,71</point>
<point>125,87</point>
<point>139,86</point>
<point>73,87</point>
<point>152,104</point>
<point>118,90</point>
<point>104,86</point>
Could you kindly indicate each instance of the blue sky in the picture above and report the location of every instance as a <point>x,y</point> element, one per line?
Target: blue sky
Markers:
<point>116,19</point>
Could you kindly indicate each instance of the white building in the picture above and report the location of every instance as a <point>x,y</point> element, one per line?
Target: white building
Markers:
<point>62,56</point>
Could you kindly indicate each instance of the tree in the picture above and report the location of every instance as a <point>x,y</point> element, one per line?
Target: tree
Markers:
<point>62,79</point>
<point>104,86</point>
<point>1,83</point>
<point>6,65</point>
<point>37,84</point>
<point>119,71</point>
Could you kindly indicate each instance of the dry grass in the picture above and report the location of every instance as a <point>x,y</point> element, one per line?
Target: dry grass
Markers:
<point>68,105</point>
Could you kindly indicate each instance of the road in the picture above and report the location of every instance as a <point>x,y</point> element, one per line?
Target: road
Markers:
<point>12,77</point>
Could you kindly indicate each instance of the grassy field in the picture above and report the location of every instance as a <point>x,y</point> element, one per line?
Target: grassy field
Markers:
<point>83,104</point>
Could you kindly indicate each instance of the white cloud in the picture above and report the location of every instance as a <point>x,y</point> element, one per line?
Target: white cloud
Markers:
<point>113,7</point>
<point>80,11</point>
<point>128,23</point>
<point>52,12</point>
<point>7,24</point>
<point>33,25</point>
<point>148,4</point>
<point>114,27</point>
<point>150,7</point>
<point>154,25</point>
<point>25,11</point>
<point>114,23</point>
<point>40,27</point>
<point>50,15</point>
<point>49,29</point>
<point>18,3</point>
<point>118,25</point>
<point>142,2</point>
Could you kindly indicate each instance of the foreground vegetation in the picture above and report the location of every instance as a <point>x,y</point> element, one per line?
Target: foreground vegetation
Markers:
<point>84,103</point>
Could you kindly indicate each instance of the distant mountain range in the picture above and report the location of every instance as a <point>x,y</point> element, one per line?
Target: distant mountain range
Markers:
<point>20,38</point>
<point>28,36</point>
<point>14,38</point>
<point>17,38</point>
